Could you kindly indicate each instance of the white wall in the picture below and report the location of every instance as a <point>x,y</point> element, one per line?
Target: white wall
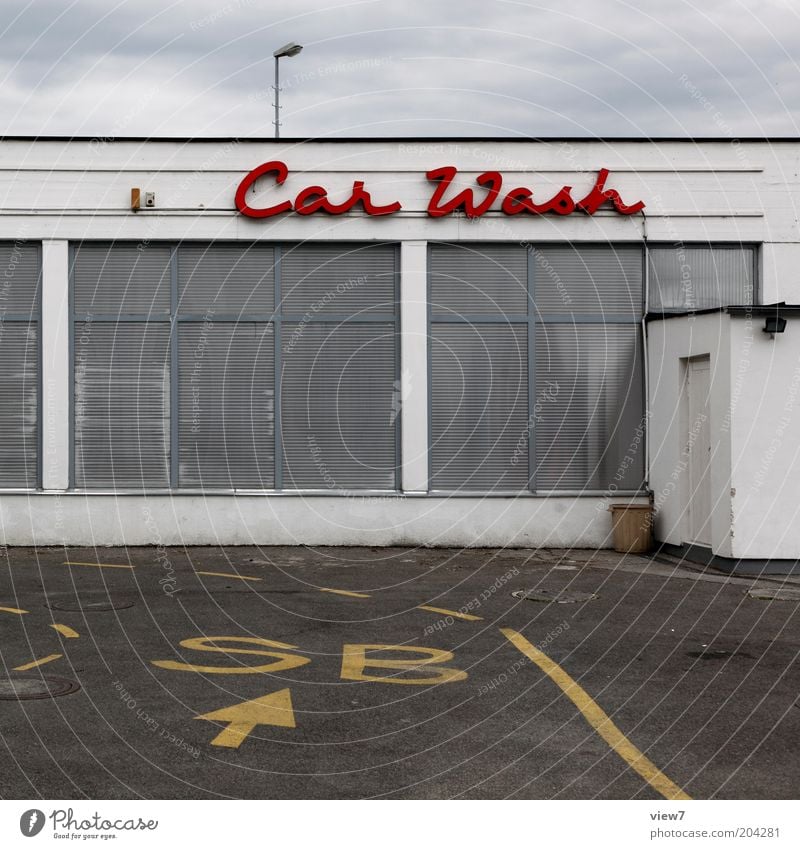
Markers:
<point>57,191</point>
<point>71,519</point>
<point>669,342</point>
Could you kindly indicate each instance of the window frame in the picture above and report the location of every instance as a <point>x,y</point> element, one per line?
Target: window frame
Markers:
<point>274,319</point>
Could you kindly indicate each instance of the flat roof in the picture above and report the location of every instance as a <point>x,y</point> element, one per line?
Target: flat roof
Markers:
<point>415,139</point>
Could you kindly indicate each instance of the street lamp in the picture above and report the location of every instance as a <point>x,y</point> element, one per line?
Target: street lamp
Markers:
<point>290,49</point>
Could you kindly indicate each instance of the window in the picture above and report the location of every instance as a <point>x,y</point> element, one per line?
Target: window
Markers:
<point>684,278</point>
<point>19,364</point>
<point>230,366</point>
<point>536,372</point>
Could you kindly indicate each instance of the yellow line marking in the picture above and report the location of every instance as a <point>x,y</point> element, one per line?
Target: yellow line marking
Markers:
<point>65,631</point>
<point>101,565</point>
<point>12,610</point>
<point>598,718</point>
<point>34,663</point>
<point>343,592</point>
<point>468,617</point>
<point>230,575</point>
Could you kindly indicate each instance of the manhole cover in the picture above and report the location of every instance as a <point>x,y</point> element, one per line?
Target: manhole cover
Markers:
<point>557,596</point>
<point>776,593</point>
<point>17,687</point>
<point>88,605</point>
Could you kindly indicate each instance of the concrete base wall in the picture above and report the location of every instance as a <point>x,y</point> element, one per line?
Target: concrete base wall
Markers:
<point>88,520</point>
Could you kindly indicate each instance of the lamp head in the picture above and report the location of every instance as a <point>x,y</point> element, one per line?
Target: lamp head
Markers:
<point>290,49</point>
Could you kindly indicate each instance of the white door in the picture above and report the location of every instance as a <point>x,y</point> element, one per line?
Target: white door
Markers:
<point>698,440</point>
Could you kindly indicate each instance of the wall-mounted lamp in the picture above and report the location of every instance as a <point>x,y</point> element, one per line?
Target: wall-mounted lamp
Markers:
<point>774,324</point>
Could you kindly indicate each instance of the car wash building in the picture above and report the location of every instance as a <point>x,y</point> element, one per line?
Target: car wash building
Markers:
<point>440,342</point>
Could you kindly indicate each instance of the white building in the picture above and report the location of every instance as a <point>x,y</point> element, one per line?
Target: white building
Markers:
<point>336,348</point>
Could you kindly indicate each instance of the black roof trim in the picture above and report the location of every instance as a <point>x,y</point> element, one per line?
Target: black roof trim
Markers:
<point>754,311</point>
<point>412,139</point>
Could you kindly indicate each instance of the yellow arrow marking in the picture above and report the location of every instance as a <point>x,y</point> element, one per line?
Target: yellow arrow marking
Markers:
<point>101,565</point>
<point>273,709</point>
<point>343,592</point>
<point>456,614</point>
<point>65,631</point>
<point>230,575</point>
<point>597,718</point>
<point>12,610</point>
<point>35,663</point>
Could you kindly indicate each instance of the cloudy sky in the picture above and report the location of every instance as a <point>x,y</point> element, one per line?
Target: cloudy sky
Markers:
<point>721,68</point>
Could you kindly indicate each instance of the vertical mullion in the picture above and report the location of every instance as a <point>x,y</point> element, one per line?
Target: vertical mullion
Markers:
<point>531,280</point>
<point>71,370</point>
<point>277,368</point>
<point>398,374</point>
<point>429,333</point>
<point>38,324</point>
<point>174,398</point>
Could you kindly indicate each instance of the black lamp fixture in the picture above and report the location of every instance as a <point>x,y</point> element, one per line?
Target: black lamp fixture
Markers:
<point>774,324</point>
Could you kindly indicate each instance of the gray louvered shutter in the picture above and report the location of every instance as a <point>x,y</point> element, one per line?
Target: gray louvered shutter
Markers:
<point>485,280</point>
<point>122,404</point>
<point>599,281</point>
<point>479,371</point>
<point>339,379</point>
<point>339,406</point>
<point>122,368</point>
<point>122,279</point>
<point>226,279</point>
<point>589,407</point>
<point>227,404</point>
<point>352,280</point>
<point>19,364</point>
<point>479,396</point>
<point>701,276</point>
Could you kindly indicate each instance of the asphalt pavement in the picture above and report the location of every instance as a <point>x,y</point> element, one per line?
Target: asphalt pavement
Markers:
<point>394,673</point>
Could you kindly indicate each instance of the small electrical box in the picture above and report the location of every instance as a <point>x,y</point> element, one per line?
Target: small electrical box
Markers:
<point>149,199</point>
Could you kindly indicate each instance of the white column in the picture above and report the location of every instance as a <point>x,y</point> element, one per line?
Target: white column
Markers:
<point>414,364</point>
<point>55,364</point>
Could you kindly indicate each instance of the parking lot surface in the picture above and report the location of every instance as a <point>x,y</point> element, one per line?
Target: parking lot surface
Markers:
<point>392,673</point>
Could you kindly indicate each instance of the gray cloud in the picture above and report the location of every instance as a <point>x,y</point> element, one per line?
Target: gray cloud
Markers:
<point>377,67</point>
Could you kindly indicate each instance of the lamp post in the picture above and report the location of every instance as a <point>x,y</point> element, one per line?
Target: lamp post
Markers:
<point>290,49</point>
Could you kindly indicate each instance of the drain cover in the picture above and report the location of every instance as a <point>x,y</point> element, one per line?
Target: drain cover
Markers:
<point>777,593</point>
<point>89,605</point>
<point>18,687</point>
<point>557,596</point>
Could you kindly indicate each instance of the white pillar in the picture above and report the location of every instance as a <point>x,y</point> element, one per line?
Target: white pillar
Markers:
<point>55,364</point>
<point>414,364</point>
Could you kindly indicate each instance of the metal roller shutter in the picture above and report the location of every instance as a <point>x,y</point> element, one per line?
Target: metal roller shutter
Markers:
<point>19,382</point>
<point>588,412</point>
<point>226,279</point>
<point>122,391</point>
<point>472,280</point>
<point>121,279</point>
<point>19,364</point>
<point>601,281</point>
<point>339,406</point>
<point>354,280</point>
<point>227,405</point>
<point>479,415</point>
<point>701,276</point>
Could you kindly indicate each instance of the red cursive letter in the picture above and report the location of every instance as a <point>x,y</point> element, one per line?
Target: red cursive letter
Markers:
<point>600,195</point>
<point>281,171</point>
<point>444,176</point>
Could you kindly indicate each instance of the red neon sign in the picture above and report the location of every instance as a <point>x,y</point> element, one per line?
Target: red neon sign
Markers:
<point>516,201</point>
